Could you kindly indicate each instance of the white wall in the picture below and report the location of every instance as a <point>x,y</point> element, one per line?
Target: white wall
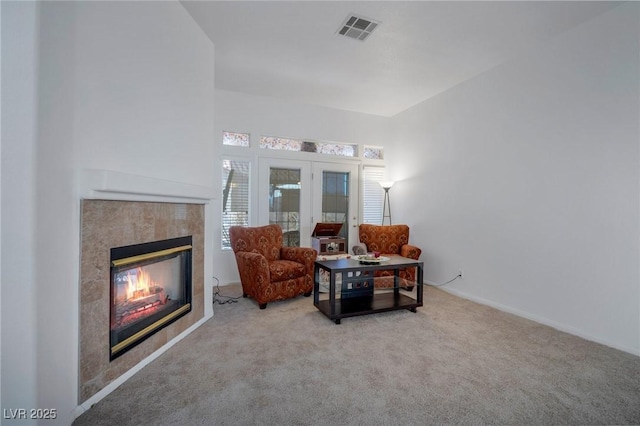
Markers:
<point>528,178</point>
<point>19,75</point>
<point>123,86</point>
<point>263,116</point>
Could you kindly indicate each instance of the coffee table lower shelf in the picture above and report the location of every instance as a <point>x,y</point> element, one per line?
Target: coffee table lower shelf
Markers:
<point>381,302</point>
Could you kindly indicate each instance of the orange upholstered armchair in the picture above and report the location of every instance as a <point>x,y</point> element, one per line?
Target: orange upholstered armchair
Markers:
<point>268,270</point>
<point>390,240</point>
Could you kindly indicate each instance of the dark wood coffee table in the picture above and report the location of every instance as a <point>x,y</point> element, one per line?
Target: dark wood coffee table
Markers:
<point>357,294</point>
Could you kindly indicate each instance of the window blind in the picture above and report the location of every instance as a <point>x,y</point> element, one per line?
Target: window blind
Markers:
<point>235,197</point>
<point>373,195</point>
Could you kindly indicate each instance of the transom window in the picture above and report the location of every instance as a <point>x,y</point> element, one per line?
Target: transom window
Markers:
<point>287,144</point>
<point>373,152</point>
<point>236,139</point>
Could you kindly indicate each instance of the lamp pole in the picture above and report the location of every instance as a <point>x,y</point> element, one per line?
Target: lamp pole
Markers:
<point>386,205</point>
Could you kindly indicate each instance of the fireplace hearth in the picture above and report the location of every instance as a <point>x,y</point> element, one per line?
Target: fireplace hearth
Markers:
<point>150,289</point>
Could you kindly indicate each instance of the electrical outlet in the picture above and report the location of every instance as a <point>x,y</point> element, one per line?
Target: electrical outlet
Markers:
<point>461,274</point>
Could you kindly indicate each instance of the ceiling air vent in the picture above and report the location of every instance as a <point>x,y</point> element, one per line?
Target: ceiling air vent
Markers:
<point>357,27</point>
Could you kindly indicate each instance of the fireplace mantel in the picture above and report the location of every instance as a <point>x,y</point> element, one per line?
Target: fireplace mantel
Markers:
<point>111,185</point>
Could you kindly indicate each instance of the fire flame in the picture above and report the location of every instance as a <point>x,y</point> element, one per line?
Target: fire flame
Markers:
<point>137,288</point>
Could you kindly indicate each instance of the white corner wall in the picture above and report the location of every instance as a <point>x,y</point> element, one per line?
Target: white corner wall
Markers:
<point>528,178</point>
<point>120,86</point>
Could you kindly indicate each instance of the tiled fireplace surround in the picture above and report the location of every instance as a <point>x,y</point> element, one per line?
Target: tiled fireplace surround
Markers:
<point>114,223</point>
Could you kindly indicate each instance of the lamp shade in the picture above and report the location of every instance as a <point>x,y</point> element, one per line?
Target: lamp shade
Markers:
<point>386,184</point>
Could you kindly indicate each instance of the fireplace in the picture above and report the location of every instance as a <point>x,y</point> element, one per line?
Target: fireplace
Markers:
<point>106,224</point>
<point>150,289</point>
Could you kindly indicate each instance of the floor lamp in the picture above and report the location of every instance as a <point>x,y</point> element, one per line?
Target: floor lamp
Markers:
<point>386,207</point>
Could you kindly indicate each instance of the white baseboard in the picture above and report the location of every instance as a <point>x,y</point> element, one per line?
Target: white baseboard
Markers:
<point>139,366</point>
<point>545,321</point>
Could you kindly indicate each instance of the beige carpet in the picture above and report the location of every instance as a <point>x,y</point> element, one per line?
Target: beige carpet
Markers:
<point>452,362</point>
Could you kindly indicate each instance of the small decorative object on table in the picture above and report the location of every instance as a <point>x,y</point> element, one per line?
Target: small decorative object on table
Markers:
<point>372,258</point>
<point>359,249</point>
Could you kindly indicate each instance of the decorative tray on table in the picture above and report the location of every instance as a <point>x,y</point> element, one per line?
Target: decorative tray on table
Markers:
<point>368,259</point>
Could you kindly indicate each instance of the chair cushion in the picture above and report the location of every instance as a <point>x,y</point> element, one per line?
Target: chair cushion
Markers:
<point>281,270</point>
<point>384,238</point>
<point>265,240</point>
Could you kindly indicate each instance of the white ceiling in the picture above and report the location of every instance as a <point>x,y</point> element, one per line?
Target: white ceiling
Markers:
<point>291,50</point>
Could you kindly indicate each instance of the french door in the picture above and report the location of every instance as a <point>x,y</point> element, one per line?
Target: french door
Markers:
<point>298,194</point>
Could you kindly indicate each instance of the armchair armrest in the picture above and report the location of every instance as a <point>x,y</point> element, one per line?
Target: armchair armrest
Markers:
<point>254,269</point>
<point>410,251</point>
<point>305,255</point>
